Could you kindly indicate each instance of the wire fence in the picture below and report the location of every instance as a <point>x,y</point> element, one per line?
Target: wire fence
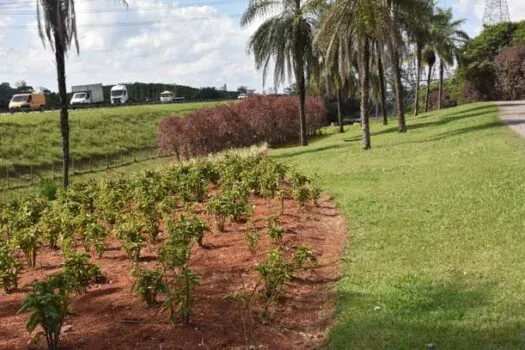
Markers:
<point>19,177</point>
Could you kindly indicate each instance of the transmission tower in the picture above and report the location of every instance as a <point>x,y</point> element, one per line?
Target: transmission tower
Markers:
<point>496,11</point>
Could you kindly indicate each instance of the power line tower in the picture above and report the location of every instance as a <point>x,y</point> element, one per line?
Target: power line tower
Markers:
<point>496,11</point>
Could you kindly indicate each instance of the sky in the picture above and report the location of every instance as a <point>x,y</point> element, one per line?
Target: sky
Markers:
<point>187,42</point>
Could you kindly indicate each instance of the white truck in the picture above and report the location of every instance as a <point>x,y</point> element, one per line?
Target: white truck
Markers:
<point>166,96</point>
<point>119,95</point>
<point>92,94</point>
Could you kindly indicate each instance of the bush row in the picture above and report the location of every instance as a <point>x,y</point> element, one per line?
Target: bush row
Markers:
<point>258,119</point>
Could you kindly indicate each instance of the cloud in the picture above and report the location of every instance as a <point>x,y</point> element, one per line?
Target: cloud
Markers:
<point>189,45</point>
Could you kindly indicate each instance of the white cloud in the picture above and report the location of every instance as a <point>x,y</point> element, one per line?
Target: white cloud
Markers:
<point>196,46</point>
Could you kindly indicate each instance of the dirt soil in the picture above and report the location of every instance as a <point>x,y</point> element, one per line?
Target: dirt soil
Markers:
<point>111,316</point>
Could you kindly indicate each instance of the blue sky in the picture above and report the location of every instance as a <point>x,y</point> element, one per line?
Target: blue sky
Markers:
<point>190,42</point>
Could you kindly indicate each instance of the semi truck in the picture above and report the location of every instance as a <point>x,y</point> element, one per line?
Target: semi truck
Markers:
<point>119,94</point>
<point>92,94</point>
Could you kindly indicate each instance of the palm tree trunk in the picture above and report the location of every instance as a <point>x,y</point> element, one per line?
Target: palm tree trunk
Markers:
<point>394,51</point>
<point>429,78</point>
<point>441,72</point>
<point>301,88</point>
<point>419,54</point>
<point>64,119</point>
<point>382,90</point>
<point>364,71</point>
<point>339,110</point>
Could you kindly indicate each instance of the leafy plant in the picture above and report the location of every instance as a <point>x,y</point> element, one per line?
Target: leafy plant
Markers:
<point>9,269</point>
<point>79,272</point>
<point>232,204</point>
<point>252,238</point>
<point>186,228</point>
<point>148,284</point>
<point>95,238</point>
<point>304,256</point>
<point>274,229</point>
<point>27,240</point>
<point>130,234</point>
<point>245,300</point>
<point>48,189</point>
<point>175,256</point>
<point>49,305</point>
<point>274,273</point>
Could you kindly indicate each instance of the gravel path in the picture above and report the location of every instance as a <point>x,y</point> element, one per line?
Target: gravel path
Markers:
<point>513,114</point>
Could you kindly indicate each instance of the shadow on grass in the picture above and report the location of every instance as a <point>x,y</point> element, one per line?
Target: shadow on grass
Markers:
<point>415,313</point>
<point>307,151</point>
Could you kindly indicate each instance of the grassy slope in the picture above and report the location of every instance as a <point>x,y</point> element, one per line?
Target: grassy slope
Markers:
<point>34,139</point>
<point>436,219</point>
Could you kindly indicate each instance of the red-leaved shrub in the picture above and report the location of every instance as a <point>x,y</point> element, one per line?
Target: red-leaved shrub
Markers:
<point>272,119</point>
<point>510,73</point>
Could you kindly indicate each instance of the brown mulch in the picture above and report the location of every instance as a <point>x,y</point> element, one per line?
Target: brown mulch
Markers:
<point>111,316</point>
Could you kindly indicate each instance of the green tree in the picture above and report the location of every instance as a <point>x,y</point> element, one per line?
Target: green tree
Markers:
<point>57,25</point>
<point>449,43</point>
<point>287,39</point>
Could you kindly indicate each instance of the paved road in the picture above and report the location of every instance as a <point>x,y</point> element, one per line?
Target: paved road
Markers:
<point>513,114</point>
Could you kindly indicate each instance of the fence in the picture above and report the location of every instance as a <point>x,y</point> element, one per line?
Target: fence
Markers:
<point>19,177</point>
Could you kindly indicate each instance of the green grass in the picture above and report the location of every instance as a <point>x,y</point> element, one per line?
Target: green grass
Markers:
<point>436,218</point>
<point>34,139</point>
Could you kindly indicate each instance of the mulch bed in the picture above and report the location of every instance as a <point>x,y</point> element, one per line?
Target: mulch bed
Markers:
<point>111,316</point>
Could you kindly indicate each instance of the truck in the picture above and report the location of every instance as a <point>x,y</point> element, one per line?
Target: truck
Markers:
<point>92,94</point>
<point>31,101</point>
<point>119,94</point>
<point>166,96</point>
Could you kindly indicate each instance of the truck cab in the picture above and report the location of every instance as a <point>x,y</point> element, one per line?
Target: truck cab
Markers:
<point>166,97</point>
<point>119,95</point>
<point>80,98</point>
<point>33,101</point>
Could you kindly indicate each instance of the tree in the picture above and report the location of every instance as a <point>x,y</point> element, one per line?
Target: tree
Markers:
<point>242,90</point>
<point>449,43</point>
<point>287,38</point>
<point>57,25</point>
<point>430,59</point>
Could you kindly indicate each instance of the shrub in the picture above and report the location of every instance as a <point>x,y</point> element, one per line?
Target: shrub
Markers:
<point>257,119</point>
<point>186,228</point>
<point>79,272</point>
<point>148,284</point>
<point>48,189</point>
<point>9,269</point>
<point>275,230</point>
<point>274,273</point>
<point>252,238</point>
<point>49,304</point>
<point>130,234</point>
<point>304,256</point>
<point>510,73</point>
<point>232,204</point>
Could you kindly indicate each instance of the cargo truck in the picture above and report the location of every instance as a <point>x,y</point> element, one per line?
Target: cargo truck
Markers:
<point>92,94</point>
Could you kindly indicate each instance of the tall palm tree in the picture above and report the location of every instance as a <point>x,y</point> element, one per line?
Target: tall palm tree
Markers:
<point>450,40</point>
<point>349,29</point>
<point>430,59</point>
<point>57,25</point>
<point>287,38</point>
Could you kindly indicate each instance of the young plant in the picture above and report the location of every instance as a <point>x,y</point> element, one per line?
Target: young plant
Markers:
<point>252,238</point>
<point>95,238</point>
<point>49,305</point>
<point>27,240</point>
<point>79,272</point>
<point>175,256</point>
<point>186,228</point>
<point>148,284</point>
<point>232,204</point>
<point>9,269</point>
<point>130,234</point>
<point>274,229</point>
<point>303,257</point>
<point>274,273</point>
<point>245,300</point>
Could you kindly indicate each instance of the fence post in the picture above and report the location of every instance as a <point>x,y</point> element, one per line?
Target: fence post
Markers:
<point>107,161</point>
<point>31,169</point>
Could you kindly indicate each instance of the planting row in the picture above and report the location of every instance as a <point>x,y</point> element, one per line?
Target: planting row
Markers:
<point>256,120</point>
<point>167,209</point>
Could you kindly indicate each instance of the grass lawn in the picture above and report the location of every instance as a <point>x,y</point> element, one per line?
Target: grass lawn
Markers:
<point>34,139</point>
<point>436,218</point>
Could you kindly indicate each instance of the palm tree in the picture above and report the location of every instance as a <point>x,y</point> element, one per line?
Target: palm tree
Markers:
<point>57,25</point>
<point>430,59</point>
<point>287,38</point>
<point>450,40</point>
<point>349,29</point>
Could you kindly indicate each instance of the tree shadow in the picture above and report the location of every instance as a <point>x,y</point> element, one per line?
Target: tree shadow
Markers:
<point>414,313</point>
<point>307,151</point>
